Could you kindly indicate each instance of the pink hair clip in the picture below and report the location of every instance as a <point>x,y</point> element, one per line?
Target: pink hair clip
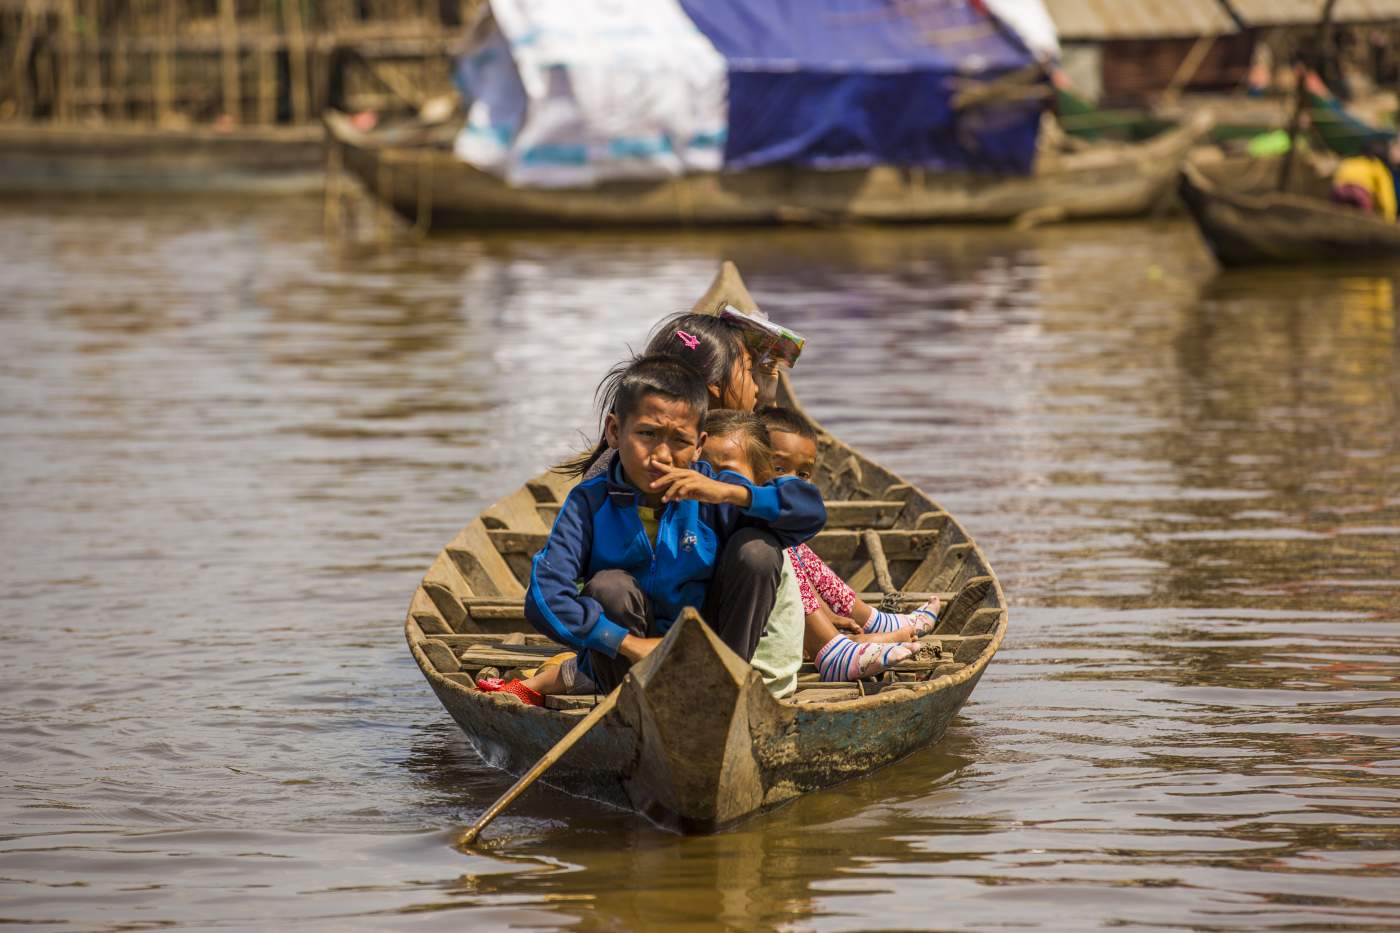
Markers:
<point>691,342</point>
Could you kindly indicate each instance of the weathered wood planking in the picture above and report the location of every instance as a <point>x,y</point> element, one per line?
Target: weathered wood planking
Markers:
<point>1247,228</point>
<point>701,767</point>
<point>426,184</point>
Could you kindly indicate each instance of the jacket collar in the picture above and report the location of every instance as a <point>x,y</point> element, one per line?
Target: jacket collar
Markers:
<point>620,491</point>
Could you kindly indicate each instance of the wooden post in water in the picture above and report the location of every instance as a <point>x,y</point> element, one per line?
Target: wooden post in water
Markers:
<point>228,39</point>
<point>296,60</point>
<point>163,80</point>
<point>1309,63</point>
<point>92,61</point>
<point>267,65</point>
<point>120,94</point>
<point>65,76</point>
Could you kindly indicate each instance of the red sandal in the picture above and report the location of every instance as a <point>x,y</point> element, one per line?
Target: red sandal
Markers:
<point>515,688</point>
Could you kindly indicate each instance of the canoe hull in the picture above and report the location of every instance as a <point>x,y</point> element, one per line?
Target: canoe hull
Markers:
<point>128,159</point>
<point>695,742</point>
<point>428,186</point>
<point>1243,229</point>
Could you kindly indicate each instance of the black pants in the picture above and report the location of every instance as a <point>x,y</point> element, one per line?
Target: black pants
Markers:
<point>737,603</point>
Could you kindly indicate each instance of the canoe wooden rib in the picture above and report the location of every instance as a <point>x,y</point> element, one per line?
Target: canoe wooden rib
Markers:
<point>1253,228</point>
<point>696,742</point>
<point>426,184</point>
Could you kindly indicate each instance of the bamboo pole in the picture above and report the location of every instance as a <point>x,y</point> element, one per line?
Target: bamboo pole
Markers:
<point>19,66</point>
<point>595,715</point>
<point>296,59</point>
<point>267,66</point>
<point>162,83</point>
<point>228,38</point>
<point>334,223</point>
<point>121,73</point>
<point>96,96</point>
<point>1309,61</point>
<point>1188,67</point>
<point>65,63</point>
<point>424,219</point>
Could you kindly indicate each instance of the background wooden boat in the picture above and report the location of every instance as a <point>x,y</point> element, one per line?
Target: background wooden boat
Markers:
<point>696,742</point>
<point>422,180</point>
<point>137,158</point>
<point>1244,227</point>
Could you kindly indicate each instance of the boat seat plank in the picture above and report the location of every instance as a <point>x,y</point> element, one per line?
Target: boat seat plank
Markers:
<point>840,513</point>
<point>497,638</point>
<point>479,656</point>
<point>830,545</point>
<point>898,544</point>
<point>495,610</point>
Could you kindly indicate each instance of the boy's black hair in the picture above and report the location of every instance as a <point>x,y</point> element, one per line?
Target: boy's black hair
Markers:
<point>626,384</point>
<point>703,342</point>
<point>664,376</point>
<point>778,418</point>
<point>758,446</point>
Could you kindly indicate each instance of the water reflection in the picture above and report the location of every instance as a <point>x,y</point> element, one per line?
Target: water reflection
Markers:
<point>229,452</point>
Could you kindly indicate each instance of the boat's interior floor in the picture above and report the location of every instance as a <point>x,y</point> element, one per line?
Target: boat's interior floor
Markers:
<point>516,654</point>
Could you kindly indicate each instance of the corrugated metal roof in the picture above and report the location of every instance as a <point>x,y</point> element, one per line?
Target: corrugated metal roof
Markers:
<point>1309,12</point>
<point>1143,19</point>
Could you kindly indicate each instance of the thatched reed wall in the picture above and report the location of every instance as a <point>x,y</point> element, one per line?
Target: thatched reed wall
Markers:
<point>231,62</point>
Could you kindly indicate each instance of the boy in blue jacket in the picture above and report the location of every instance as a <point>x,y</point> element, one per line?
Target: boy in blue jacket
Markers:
<point>660,531</point>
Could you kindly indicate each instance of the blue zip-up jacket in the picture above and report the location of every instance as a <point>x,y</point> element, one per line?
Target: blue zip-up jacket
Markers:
<point>599,529</point>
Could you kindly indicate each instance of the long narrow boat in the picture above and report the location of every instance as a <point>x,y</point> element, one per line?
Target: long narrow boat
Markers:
<point>425,183</point>
<point>1244,227</point>
<point>695,741</point>
<point>117,158</point>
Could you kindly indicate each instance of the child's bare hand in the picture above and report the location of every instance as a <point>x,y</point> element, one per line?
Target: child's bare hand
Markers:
<point>684,483</point>
<point>843,624</point>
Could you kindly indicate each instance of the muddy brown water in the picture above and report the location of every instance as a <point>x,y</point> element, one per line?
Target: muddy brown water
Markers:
<point>230,451</point>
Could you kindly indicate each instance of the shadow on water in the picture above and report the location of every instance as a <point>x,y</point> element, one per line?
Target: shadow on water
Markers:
<point>607,867</point>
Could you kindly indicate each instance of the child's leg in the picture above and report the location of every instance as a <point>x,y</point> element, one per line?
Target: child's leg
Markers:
<point>625,603</point>
<point>916,624</point>
<point>548,678</point>
<point>740,597</point>
<point>842,657</point>
<point>822,581</point>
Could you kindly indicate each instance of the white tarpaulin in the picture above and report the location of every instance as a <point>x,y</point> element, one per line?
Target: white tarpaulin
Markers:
<point>1031,21</point>
<point>570,93</point>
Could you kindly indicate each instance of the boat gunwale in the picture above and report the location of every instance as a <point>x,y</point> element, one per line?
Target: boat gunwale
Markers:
<point>1127,178</point>
<point>1262,201</point>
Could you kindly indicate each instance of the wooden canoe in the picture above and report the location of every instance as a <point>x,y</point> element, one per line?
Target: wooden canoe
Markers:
<point>696,742</point>
<point>426,184</point>
<point>1243,227</point>
<point>116,158</point>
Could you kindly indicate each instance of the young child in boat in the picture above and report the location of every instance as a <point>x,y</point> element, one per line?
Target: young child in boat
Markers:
<point>824,594</point>
<point>704,342</point>
<point>658,531</point>
<point>739,442</point>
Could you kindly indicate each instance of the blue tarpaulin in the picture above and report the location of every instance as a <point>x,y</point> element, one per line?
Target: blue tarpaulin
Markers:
<point>854,83</point>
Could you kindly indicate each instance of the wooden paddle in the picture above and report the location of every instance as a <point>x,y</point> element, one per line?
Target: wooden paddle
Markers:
<point>546,761</point>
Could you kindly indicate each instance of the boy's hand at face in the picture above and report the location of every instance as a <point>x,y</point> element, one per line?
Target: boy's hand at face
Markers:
<point>684,483</point>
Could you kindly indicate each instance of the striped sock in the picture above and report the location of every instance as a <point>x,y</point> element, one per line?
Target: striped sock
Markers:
<point>921,620</point>
<point>843,659</point>
<point>881,622</point>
